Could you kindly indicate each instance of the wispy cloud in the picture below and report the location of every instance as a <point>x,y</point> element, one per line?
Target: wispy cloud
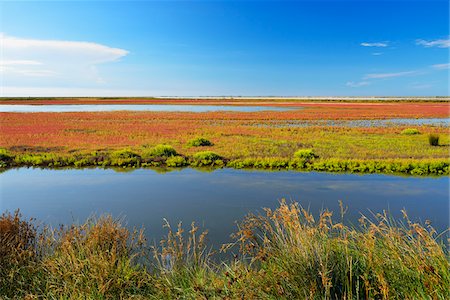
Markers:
<point>70,61</point>
<point>19,63</point>
<point>377,53</point>
<point>357,84</point>
<point>441,66</point>
<point>388,75</point>
<point>378,44</point>
<point>441,43</point>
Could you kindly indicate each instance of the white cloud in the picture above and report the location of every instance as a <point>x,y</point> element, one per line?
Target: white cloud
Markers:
<point>441,43</point>
<point>388,75</point>
<point>19,62</point>
<point>357,84</point>
<point>441,66</point>
<point>66,61</point>
<point>379,44</point>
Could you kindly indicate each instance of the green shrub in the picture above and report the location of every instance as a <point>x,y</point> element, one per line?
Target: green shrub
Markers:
<point>305,154</point>
<point>5,157</point>
<point>160,151</point>
<point>124,157</point>
<point>176,161</point>
<point>206,158</point>
<point>410,131</point>
<point>199,142</point>
<point>433,139</point>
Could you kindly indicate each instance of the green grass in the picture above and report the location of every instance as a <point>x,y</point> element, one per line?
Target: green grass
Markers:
<point>199,142</point>
<point>127,158</point>
<point>410,131</point>
<point>281,254</point>
<point>160,151</point>
<point>305,154</point>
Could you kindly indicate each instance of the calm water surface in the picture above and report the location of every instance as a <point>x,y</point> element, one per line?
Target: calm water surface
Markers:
<point>442,122</point>
<point>214,200</point>
<point>136,107</point>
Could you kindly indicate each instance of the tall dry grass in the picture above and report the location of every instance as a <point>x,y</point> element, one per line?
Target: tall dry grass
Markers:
<point>284,253</point>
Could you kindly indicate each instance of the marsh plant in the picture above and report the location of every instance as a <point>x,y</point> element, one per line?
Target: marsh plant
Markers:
<point>206,158</point>
<point>433,139</point>
<point>199,142</point>
<point>410,131</point>
<point>305,154</point>
<point>285,253</point>
<point>161,150</point>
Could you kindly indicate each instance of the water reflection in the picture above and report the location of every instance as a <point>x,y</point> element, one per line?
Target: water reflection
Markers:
<point>214,200</point>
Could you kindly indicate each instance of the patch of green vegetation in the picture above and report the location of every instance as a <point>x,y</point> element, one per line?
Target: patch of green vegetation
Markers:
<point>433,139</point>
<point>129,159</point>
<point>176,161</point>
<point>199,142</point>
<point>5,158</point>
<point>207,158</point>
<point>124,158</point>
<point>410,131</point>
<point>305,154</point>
<point>282,254</point>
<point>163,151</point>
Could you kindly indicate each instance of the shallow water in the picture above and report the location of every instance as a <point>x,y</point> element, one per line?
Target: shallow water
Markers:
<point>136,107</point>
<point>444,122</point>
<point>214,200</point>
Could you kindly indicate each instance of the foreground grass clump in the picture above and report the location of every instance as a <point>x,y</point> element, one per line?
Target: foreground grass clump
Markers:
<point>199,142</point>
<point>17,254</point>
<point>410,131</point>
<point>282,254</point>
<point>433,139</point>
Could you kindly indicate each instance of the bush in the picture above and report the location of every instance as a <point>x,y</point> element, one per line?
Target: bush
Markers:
<point>5,157</point>
<point>199,142</point>
<point>176,161</point>
<point>124,157</point>
<point>160,151</point>
<point>410,131</point>
<point>305,154</point>
<point>206,158</point>
<point>433,139</point>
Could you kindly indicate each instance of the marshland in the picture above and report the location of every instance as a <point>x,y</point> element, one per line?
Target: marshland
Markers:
<point>224,150</point>
<point>306,202</point>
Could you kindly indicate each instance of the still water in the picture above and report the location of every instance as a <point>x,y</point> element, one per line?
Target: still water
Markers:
<point>215,200</point>
<point>135,107</point>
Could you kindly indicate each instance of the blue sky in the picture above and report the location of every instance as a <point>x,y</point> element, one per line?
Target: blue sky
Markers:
<point>234,48</point>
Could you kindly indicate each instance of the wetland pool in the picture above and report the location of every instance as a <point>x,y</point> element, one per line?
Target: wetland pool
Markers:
<point>136,107</point>
<point>214,200</point>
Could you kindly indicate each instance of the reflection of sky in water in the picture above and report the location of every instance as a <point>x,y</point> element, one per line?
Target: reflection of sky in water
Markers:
<point>214,200</point>
<point>136,107</point>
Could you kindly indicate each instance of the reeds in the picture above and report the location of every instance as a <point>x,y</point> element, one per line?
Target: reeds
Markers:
<point>285,253</point>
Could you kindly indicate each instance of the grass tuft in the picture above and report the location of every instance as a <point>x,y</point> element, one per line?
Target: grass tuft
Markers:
<point>164,151</point>
<point>433,139</point>
<point>305,154</point>
<point>410,131</point>
<point>207,158</point>
<point>199,142</point>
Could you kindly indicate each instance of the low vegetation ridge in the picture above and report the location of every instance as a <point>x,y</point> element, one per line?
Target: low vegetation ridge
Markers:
<point>281,254</point>
<point>167,157</point>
